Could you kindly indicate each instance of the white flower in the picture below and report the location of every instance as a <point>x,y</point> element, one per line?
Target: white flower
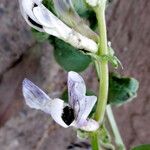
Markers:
<point>40,18</point>
<point>73,114</point>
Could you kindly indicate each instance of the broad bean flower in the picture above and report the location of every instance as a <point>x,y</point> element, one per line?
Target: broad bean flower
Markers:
<point>75,113</point>
<point>43,20</point>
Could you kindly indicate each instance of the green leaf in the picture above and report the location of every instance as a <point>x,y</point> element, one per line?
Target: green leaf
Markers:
<point>70,58</point>
<point>121,89</point>
<point>142,147</point>
<point>64,95</point>
<point>40,36</point>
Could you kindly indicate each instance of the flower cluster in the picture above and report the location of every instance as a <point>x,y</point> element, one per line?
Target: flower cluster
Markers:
<point>75,113</point>
<point>43,20</point>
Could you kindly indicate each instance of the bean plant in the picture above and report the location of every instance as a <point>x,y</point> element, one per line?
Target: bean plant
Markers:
<point>77,30</point>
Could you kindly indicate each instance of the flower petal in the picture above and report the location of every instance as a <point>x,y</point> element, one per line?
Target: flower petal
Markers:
<point>56,110</point>
<point>76,89</point>
<point>66,12</point>
<point>86,104</point>
<point>35,97</point>
<point>90,125</point>
<point>54,26</point>
<point>51,23</point>
<point>44,16</point>
<point>26,7</point>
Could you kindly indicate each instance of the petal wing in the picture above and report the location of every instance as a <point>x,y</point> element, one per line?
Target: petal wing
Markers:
<point>81,103</point>
<point>52,25</point>
<point>35,97</point>
<point>86,105</point>
<point>76,90</point>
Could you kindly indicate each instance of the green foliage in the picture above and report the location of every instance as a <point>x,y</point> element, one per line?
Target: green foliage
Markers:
<point>82,134</point>
<point>64,95</point>
<point>121,89</point>
<point>112,58</point>
<point>104,134</point>
<point>142,147</point>
<point>40,36</point>
<point>85,12</point>
<point>70,58</point>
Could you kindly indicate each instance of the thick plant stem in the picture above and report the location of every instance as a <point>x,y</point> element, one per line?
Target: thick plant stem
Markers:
<point>102,69</point>
<point>103,50</point>
<point>94,141</point>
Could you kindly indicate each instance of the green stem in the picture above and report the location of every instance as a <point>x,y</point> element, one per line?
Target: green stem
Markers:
<point>102,69</point>
<point>114,128</point>
<point>103,50</point>
<point>103,73</point>
<point>94,141</point>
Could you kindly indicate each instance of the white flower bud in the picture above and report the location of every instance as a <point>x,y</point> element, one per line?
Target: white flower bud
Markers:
<point>40,18</point>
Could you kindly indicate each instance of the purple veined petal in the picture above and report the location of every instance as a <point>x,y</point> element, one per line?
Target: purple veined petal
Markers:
<point>76,89</point>
<point>90,125</point>
<point>86,105</point>
<point>52,25</point>
<point>35,97</point>
<point>56,110</point>
<point>26,8</point>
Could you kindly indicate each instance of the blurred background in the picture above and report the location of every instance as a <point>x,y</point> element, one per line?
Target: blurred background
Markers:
<point>22,128</point>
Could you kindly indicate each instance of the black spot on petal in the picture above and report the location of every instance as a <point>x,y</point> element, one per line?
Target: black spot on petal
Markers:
<point>34,23</point>
<point>35,5</point>
<point>68,115</point>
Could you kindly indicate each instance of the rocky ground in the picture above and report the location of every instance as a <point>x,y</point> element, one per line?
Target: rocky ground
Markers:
<point>21,56</point>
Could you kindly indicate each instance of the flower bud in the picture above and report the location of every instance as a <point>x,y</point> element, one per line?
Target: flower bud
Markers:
<point>65,10</point>
<point>40,18</point>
